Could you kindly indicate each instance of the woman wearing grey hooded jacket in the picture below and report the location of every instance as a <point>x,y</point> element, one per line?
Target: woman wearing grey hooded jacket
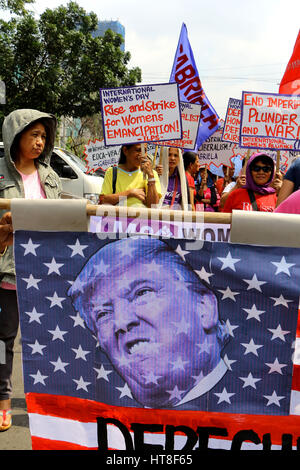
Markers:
<point>25,172</point>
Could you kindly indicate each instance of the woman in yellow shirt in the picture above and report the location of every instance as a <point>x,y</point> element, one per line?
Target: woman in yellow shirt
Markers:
<point>131,184</point>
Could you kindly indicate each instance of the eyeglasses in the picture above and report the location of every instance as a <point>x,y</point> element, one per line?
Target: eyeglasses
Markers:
<point>265,169</point>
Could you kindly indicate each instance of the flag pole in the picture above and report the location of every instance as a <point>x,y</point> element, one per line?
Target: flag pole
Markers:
<point>145,213</point>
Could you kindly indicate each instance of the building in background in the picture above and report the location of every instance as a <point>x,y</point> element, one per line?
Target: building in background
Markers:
<point>115,26</point>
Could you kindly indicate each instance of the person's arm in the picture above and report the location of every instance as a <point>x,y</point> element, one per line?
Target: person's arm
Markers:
<point>107,197</point>
<point>114,199</point>
<point>231,187</point>
<point>277,182</point>
<point>152,197</point>
<point>159,169</point>
<point>286,190</point>
<point>227,207</point>
<point>192,198</point>
<point>6,232</point>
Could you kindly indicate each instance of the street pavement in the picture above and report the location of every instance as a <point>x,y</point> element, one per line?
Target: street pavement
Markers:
<point>18,436</point>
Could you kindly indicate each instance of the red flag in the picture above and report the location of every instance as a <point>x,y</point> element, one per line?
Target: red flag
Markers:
<point>290,83</point>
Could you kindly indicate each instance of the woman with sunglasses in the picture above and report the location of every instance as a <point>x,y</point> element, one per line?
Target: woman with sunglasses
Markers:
<point>260,191</point>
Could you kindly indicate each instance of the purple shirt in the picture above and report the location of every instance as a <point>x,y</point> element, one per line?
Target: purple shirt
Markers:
<point>170,191</point>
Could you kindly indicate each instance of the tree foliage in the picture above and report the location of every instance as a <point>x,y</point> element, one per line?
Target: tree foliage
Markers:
<point>54,64</point>
<point>14,6</point>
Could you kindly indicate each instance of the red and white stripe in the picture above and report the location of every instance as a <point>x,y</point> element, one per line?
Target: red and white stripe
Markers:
<point>58,422</point>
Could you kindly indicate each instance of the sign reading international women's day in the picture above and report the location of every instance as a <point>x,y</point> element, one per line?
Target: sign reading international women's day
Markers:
<point>147,343</point>
<point>141,114</point>
<point>270,121</point>
<point>190,118</point>
<point>97,155</point>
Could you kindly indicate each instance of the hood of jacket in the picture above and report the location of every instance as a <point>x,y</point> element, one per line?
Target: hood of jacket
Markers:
<point>17,121</point>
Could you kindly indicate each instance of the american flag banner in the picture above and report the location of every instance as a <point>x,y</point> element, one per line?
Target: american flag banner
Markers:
<point>141,343</point>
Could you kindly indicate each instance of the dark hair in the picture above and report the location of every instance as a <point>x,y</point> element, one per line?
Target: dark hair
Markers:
<point>188,158</point>
<point>122,158</point>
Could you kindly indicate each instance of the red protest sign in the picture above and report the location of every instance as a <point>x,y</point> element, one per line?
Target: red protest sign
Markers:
<point>141,114</point>
<point>274,121</point>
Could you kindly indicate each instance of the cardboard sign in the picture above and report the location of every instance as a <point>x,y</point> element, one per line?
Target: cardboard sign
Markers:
<point>190,116</point>
<point>274,121</point>
<point>215,151</point>
<point>141,114</point>
<point>231,129</point>
<point>97,155</point>
<point>231,133</point>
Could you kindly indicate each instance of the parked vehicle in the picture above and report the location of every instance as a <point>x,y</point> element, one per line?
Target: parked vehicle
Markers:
<point>76,182</point>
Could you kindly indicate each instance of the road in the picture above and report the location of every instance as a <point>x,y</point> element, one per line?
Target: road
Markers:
<point>18,436</point>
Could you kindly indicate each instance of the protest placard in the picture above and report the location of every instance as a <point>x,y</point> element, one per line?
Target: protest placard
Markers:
<point>97,155</point>
<point>141,114</point>
<point>231,129</point>
<point>231,133</point>
<point>190,118</point>
<point>269,120</point>
<point>215,151</point>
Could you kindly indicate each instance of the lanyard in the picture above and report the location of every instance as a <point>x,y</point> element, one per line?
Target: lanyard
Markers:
<point>174,191</point>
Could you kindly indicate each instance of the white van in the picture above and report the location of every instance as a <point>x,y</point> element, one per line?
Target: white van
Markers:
<point>76,182</point>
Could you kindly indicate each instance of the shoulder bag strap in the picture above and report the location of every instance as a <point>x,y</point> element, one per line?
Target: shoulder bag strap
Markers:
<point>252,199</point>
<point>114,179</point>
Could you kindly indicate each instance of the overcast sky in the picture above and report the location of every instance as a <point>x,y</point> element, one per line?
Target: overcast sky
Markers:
<point>238,45</point>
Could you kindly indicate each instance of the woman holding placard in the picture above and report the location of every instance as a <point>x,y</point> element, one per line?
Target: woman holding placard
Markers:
<point>133,181</point>
<point>175,190</point>
<point>260,191</point>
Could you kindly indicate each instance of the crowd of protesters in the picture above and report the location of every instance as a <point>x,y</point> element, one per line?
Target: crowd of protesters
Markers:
<point>177,182</point>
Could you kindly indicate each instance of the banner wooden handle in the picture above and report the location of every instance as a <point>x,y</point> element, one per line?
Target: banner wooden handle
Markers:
<point>144,213</point>
<point>246,161</point>
<point>277,160</point>
<point>155,155</point>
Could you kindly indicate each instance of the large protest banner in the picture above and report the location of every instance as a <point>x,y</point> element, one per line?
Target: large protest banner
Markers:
<point>113,359</point>
<point>190,119</point>
<point>140,114</point>
<point>272,119</point>
<point>97,155</point>
<point>185,73</point>
<point>231,133</point>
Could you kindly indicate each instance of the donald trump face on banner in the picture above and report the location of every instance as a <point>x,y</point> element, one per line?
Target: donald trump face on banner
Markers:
<point>156,321</point>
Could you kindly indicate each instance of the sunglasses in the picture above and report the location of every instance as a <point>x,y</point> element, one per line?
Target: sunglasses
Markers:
<point>265,169</point>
